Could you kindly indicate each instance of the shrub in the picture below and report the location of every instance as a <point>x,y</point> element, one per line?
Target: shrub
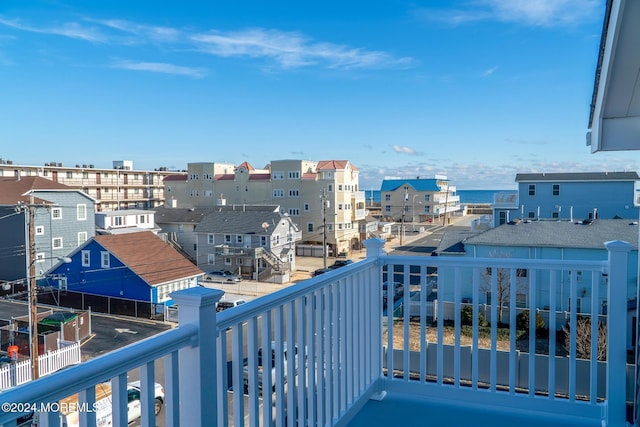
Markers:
<point>466,316</point>
<point>522,322</point>
<point>583,339</point>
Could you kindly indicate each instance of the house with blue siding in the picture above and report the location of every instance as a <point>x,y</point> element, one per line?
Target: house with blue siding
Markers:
<point>419,199</point>
<point>543,240</point>
<point>135,266</point>
<point>569,196</point>
<point>63,219</point>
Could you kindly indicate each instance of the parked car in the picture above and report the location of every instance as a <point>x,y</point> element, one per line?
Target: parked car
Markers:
<point>340,263</point>
<point>222,276</point>
<point>320,271</point>
<point>224,305</point>
<point>285,358</point>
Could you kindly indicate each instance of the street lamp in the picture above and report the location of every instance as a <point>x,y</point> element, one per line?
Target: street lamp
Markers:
<point>33,310</point>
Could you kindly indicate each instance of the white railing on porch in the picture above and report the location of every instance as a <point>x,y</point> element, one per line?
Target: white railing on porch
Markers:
<point>20,372</point>
<point>329,355</point>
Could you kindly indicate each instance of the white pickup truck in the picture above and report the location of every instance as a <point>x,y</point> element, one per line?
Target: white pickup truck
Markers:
<point>102,407</point>
<point>285,356</point>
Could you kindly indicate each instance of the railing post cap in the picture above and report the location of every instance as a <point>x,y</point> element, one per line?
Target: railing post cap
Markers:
<point>197,297</point>
<point>618,246</point>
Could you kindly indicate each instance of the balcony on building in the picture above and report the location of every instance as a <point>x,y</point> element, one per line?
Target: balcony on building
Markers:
<point>347,351</point>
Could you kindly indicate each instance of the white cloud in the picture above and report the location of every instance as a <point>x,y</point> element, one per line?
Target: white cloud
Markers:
<point>159,67</point>
<point>543,13</point>
<point>286,49</point>
<point>403,150</point>
<point>72,30</point>
<point>490,71</point>
<point>292,50</point>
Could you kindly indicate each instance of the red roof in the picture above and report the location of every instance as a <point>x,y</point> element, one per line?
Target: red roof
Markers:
<point>175,177</point>
<point>309,175</point>
<point>225,177</point>
<point>259,176</point>
<point>147,255</point>
<point>334,165</point>
<point>246,165</point>
<point>14,190</point>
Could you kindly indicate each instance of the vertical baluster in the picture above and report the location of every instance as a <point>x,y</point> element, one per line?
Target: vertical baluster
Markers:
<point>237,374</point>
<point>292,363</point>
<point>513,354</point>
<point>311,309</point>
<point>119,399</point>
<point>171,394</point>
<point>328,352</point>
<point>440,325</point>
<point>553,288</point>
<point>533,304</point>
<point>573,322</point>
<point>279,369</point>
<point>476,323</point>
<point>335,347</point>
<point>457,291</point>
<point>267,366</point>
<point>390,304</point>
<point>423,324</point>
<point>346,349</point>
<point>223,383</point>
<point>147,393</point>
<point>406,349</point>
<point>495,303</point>
<point>301,360</point>
<point>595,329</point>
<point>88,396</point>
<point>251,376</point>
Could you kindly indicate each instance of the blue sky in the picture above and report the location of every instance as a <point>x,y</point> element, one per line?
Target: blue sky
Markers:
<point>477,90</point>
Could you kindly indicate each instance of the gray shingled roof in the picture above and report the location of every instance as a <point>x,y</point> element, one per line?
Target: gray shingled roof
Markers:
<point>238,222</point>
<point>560,234</point>
<point>578,176</point>
<point>166,215</point>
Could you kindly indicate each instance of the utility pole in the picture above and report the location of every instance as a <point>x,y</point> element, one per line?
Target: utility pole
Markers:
<point>404,208</point>
<point>33,297</point>
<point>323,198</point>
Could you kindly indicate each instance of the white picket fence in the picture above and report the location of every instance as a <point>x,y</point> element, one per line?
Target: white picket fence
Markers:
<point>52,361</point>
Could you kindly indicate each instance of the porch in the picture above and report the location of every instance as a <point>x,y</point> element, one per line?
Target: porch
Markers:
<point>320,353</point>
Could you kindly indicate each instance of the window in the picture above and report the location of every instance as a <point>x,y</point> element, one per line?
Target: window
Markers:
<point>118,221</point>
<point>56,243</point>
<point>69,174</point>
<point>555,189</point>
<point>62,283</point>
<point>210,239</point>
<point>56,213</point>
<point>239,261</point>
<point>227,238</point>
<point>555,215</point>
<point>306,207</point>
<point>427,197</point>
<point>294,212</point>
<point>294,175</point>
<point>531,214</point>
<point>82,237</point>
<point>227,261</point>
<point>503,217</point>
<point>81,212</point>
<point>339,187</point>
<point>211,259</point>
<point>86,258</point>
<point>339,206</point>
<point>277,192</point>
<point>387,208</point>
<point>294,193</point>
<point>532,189</point>
<point>104,259</point>
<point>278,175</point>
<point>239,238</point>
<point>39,230</point>
<point>387,197</point>
<point>143,219</point>
<point>263,240</point>
<point>330,187</point>
<point>276,239</point>
<point>310,227</point>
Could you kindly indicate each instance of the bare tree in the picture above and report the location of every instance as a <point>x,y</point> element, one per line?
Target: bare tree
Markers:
<point>583,338</point>
<point>503,282</point>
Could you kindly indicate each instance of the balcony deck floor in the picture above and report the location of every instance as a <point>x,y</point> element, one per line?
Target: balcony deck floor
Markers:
<point>398,409</point>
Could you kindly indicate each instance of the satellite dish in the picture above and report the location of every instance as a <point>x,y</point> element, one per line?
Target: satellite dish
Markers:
<point>265,225</point>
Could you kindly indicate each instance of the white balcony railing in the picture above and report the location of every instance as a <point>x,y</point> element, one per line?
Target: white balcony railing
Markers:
<point>316,352</point>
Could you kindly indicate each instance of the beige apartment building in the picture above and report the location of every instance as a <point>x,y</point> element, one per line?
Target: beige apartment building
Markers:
<point>322,197</point>
<point>121,187</point>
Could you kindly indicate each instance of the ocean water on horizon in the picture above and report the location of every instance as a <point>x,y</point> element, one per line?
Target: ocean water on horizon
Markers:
<point>466,196</point>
